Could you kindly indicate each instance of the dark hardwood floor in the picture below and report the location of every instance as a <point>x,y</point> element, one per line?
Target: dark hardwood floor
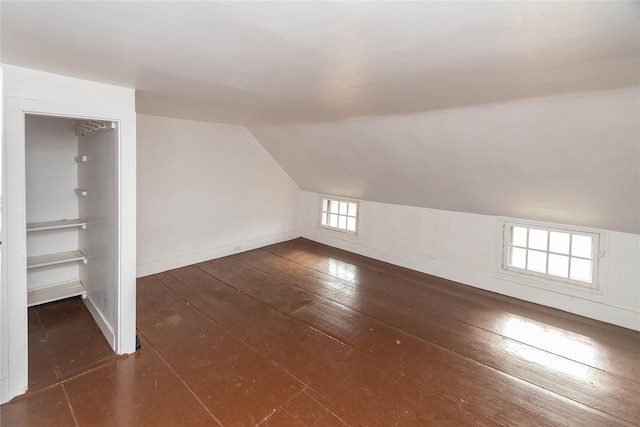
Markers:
<point>301,334</point>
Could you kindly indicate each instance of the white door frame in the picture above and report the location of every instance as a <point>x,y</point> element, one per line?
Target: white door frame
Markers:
<point>13,290</point>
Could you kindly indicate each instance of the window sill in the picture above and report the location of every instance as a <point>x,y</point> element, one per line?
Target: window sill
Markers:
<point>337,230</point>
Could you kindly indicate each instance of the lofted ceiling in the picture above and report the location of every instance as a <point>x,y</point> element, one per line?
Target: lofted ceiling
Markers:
<point>527,109</point>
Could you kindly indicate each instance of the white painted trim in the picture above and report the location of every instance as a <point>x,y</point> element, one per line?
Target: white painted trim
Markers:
<point>606,313</point>
<point>34,92</point>
<point>126,316</point>
<point>547,283</point>
<point>14,306</point>
<point>158,266</point>
<point>4,389</point>
<point>97,315</point>
<point>329,198</point>
<point>4,316</point>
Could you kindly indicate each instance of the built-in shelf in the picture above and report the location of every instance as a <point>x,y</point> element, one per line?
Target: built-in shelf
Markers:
<point>55,292</point>
<point>53,259</point>
<point>80,159</point>
<point>80,191</point>
<point>54,225</point>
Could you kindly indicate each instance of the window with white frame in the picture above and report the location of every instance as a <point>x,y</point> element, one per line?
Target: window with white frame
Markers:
<point>338,214</point>
<point>558,254</point>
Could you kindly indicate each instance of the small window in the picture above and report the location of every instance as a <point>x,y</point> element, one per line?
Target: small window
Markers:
<point>559,254</point>
<point>339,214</point>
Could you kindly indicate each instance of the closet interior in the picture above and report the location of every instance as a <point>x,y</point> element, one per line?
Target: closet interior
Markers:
<point>71,208</point>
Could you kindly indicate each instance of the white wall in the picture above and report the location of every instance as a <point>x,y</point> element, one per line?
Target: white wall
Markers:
<point>51,177</point>
<point>99,209</point>
<point>572,160</point>
<point>464,247</point>
<point>207,190</point>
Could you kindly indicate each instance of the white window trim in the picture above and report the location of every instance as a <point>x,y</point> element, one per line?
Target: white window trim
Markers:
<point>593,291</point>
<point>340,199</point>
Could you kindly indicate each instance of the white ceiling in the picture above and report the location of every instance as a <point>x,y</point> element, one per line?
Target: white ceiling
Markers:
<point>526,109</point>
<point>268,62</point>
<point>572,160</point>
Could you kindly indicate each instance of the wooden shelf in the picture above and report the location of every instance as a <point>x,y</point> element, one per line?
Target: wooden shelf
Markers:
<point>54,225</point>
<point>55,292</point>
<point>80,191</point>
<point>53,259</point>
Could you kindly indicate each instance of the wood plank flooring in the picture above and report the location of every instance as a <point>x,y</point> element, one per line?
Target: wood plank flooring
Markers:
<point>301,334</point>
<point>63,341</point>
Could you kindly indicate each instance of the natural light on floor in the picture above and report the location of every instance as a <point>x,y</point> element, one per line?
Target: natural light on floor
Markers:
<point>342,270</point>
<point>550,348</point>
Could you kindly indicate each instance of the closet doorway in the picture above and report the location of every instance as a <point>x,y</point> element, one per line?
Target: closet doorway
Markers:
<point>71,209</point>
<point>69,215</point>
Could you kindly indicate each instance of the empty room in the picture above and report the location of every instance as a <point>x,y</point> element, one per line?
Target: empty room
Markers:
<point>320,213</point>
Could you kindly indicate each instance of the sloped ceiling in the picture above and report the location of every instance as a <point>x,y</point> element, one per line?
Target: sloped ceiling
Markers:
<point>573,160</point>
<point>416,103</point>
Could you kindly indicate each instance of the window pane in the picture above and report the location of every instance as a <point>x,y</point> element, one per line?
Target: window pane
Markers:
<point>351,224</point>
<point>517,257</point>
<point>353,209</point>
<point>325,204</point>
<point>554,253</point>
<point>559,265</point>
<point>334,206</point>
<point>324,219</point>
<point>581,269</point>
<point>518,236</point>
<point>537,261</point>
<point>538,239</point>
<point>343,208</point>
<point>559,242</point>
<point>333,220</point>
<point>581,246</point>
<point>342,222</point>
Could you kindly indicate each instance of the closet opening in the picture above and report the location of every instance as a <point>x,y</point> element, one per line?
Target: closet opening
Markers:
<point>71,197</point>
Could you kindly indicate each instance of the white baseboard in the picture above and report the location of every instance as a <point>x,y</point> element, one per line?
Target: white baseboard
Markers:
<point>591,309</point>
<point>153,267</point>
<point>4,392</point>
<point>104,326</point>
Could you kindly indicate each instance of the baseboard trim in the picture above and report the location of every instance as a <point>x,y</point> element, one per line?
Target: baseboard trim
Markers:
<point>153,267</point>
<point>100,320</point>
<point>4,391</point>
<point>582,307</point>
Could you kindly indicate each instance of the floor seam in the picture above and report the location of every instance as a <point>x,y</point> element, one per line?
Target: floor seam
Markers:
<point>443,316</point>
<point>327,409</point>
<point>409,333</point>
<point>202,313</point>
<point>341,342</point>
<point>282,405</point>
<point>56,368</point>
<point>73,413</point>
<point>155,350</point>
<point>59,381</point>
<point>498,297</point>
